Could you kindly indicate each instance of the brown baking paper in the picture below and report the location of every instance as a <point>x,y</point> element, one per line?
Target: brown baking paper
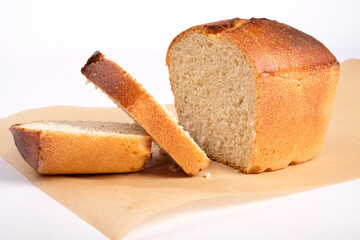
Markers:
<point>116,203</point>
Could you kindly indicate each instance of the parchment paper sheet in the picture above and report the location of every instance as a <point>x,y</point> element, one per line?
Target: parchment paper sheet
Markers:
<point>115,203</point>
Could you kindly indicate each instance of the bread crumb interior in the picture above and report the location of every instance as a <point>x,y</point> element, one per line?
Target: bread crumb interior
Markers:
<point>214,87</point>
<point>88,127</point>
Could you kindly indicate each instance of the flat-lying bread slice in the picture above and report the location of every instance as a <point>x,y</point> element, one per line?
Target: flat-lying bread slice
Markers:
<point>254,94</point>
<point>81,147</point>
<point>126,92</point>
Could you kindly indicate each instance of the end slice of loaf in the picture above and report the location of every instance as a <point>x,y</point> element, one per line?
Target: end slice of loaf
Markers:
<point>127,93</point>
<point>255,94</point>
<point>82,147</point>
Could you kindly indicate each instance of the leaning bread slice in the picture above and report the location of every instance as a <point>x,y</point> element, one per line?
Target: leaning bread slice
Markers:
<point>138,103</point>
<point>82,147</point>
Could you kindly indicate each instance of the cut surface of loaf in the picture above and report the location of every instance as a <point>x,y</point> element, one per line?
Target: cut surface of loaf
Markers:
<point>254,94</point>
<point>128,94</point>
<point>82,147</point>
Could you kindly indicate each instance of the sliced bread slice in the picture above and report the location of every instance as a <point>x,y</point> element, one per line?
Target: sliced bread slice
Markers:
<point>82,147</point>
<point>126,92</point>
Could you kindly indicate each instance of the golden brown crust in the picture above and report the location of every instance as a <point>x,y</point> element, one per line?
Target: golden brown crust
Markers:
<point>28,143</point>
<point>293,113</point>
<point>296,79</point>
<point>220,26</point>
<point>272,46</point>
<point>276,47</point>
<point>108,76</point>
<point>128,93</point>
<point>56,152</point>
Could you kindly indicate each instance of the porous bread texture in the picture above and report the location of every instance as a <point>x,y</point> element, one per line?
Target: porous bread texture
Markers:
<point>130,95</point>
<point>88,127</point>
<point>218,111</point>
<point>254,94</point>
<point>82,147</point>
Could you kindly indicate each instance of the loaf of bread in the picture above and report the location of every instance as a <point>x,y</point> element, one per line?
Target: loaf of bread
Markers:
<point>127,93</point>
<point>254,94</point>
<point>81,147</point>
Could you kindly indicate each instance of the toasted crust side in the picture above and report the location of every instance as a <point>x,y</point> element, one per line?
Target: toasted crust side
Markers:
<point>128,93</point>
<point>296,78</point>
<point>97,56</point>
<point>28,144</point>
<point>55,152</point>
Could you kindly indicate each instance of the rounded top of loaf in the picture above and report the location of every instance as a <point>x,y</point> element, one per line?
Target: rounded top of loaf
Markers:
<point>273,47</point>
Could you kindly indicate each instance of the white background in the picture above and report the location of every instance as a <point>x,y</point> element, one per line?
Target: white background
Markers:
<point>43,45</point>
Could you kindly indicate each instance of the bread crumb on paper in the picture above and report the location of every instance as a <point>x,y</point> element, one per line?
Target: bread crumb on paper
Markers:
<point>207,175</point>
<point>173,168</point>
